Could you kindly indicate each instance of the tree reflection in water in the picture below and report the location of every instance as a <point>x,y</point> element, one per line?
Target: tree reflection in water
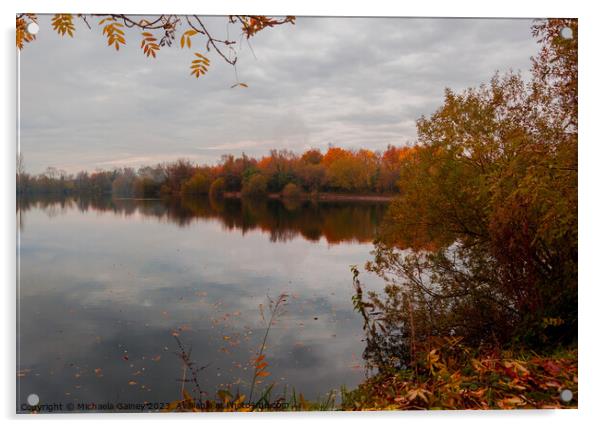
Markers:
<point>283,220</point>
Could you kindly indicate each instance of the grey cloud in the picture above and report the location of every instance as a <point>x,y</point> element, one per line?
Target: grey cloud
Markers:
<point>355,82</point>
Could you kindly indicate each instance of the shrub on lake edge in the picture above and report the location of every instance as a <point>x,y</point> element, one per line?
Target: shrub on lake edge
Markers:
<point>255,186</point>
<point>217,188</point>
<point>198,184</point>
<point>291,191</point>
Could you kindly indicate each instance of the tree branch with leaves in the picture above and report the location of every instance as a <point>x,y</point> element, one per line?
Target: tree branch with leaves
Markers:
<point>159,32</point>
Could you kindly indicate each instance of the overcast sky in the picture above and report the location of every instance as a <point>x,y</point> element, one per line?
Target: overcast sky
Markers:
<point>351,82</point>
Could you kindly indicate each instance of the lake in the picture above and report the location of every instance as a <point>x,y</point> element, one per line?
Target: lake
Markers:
<point>105,284</point>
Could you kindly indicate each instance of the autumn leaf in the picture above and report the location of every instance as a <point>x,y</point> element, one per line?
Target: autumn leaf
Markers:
<point>511,402</point>
<point>224,395</point>
<point>186,36</point>
<point>113,31</point>
<point>200,65</point>
<point>149,44</point>
<point>22,35</point>
<point>63,24</point>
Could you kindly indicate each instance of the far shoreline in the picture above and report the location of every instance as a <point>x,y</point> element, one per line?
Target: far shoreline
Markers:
<point>351,197</point>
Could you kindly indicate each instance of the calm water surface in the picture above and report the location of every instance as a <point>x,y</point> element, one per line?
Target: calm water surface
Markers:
<point>105,283</point>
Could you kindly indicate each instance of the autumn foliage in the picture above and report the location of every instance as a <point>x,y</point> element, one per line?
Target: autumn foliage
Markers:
<point>481,244</point>
<point>478,250</point>
<point>452,377</point>
<point>158,32</point>
<point>338,170</point>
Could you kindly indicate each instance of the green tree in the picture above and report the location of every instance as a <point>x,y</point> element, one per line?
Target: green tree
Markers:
<point>255,186</point>
<point>198,184</point>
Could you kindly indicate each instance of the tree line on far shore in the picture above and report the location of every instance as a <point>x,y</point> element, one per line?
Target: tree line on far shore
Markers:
<point>282,171</point>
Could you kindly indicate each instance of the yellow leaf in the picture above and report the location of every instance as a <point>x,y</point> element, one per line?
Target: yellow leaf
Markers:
<point>302,402</point>
<point>224,395</point>
<point>172,406</point>
<point>511,402</point>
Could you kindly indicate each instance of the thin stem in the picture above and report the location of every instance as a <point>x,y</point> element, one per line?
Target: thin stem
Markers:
<point>274,313</point>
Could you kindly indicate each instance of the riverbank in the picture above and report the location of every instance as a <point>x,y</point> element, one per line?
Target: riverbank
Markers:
<point>348,197</point>
<point>462,381</point>
<point>440,381</point>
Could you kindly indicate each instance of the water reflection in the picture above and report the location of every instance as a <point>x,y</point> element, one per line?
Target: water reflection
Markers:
<point>104,283</point>
<point>283,220</point>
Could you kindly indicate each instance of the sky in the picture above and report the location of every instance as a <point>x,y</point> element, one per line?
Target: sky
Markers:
<point>350,82</point>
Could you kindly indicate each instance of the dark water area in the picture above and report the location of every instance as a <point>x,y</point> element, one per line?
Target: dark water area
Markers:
<point>104,284</point>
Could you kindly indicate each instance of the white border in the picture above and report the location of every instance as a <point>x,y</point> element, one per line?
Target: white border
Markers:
<point>590,181</point>
<point>457,8</point>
